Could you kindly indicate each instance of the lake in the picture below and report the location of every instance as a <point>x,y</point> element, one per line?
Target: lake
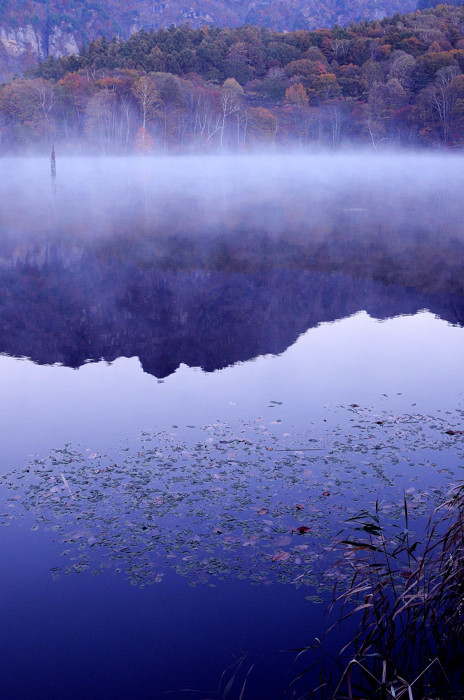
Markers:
<point>207,365</point>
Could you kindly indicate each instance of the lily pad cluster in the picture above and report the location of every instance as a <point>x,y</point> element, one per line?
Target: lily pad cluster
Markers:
<point>245,500</point>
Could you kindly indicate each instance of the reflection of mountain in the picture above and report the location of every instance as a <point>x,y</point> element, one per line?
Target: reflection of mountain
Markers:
<point>70,305</point>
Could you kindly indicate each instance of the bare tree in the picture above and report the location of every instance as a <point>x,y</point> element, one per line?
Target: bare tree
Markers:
<point>443,97</point>
<point>102,119</point>
<point>231,94</point>
<point>43,96</point>
<point>146,92</point>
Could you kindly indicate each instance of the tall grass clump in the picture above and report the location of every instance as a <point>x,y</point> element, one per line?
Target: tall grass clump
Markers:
<point>402,600</point>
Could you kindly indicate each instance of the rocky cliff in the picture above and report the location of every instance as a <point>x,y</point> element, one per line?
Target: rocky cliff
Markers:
<point>22,47</point>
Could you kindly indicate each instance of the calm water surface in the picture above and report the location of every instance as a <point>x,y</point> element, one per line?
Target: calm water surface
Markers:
<point>199,357</point>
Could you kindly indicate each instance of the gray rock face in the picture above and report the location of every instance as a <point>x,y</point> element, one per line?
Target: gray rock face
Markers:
<point>22,40</point>
<point>62,43</point>
<point>22,47</point>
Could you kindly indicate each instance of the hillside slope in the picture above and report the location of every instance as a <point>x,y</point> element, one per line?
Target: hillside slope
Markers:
<point>35,29</point>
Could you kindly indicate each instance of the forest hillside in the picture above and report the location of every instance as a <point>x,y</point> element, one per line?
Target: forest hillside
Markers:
<point>35,29</point>
<point>389,82</point>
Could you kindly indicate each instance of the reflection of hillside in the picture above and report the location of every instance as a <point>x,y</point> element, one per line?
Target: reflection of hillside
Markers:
<point>211,303</point>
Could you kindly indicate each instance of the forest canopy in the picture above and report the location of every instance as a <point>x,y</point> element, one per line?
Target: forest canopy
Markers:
<point>396,81</point>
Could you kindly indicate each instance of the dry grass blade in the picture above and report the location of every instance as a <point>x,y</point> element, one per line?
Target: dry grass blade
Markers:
<point>240,697</point>
<point>405,598</point>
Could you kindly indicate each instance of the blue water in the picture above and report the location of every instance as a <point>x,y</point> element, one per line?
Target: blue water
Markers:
<point>87,636</point>
<point>180,394</point>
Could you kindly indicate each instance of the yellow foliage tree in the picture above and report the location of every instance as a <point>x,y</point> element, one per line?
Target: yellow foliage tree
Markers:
<point>296,94</point>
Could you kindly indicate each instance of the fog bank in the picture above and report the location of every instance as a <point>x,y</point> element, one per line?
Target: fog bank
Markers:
<point>282,194</point>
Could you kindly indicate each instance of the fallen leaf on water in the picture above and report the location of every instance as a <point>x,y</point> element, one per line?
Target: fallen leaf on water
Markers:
<point>280,556</point>
<point>283,541</point>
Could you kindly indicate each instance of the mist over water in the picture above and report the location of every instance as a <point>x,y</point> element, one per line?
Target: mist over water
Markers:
<point>280,194</point>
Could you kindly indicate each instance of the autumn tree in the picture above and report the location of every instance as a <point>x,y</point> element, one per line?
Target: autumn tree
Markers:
<point>72,93</point>
<point>143,141</point>
<point>384,102</point>
<point>21,115</point>
<point>403,67</point>
<point>263,124</point>
<point>296,94</point>
<point>102,120</point>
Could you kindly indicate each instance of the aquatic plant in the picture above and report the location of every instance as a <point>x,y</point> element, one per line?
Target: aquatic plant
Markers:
<point>232,683</point>
<point>403,597</point>
<point>245,500</point>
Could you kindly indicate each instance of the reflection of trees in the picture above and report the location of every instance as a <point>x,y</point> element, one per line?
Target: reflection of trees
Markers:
<point>211,301</point>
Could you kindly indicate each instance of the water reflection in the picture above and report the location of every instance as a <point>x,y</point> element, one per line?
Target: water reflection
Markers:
<point>212,300</point>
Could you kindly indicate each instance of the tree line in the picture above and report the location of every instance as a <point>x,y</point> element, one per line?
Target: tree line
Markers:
<point>397,81</point>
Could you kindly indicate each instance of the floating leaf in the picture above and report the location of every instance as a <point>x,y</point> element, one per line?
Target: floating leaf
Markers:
<point>280,556</point>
